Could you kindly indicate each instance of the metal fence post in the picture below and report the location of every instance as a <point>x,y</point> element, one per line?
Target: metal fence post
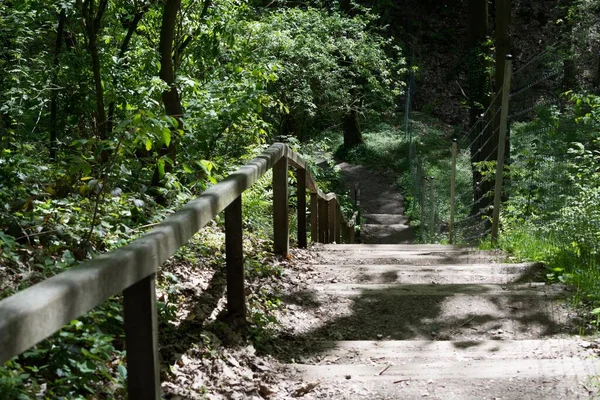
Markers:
<point>339,223</point>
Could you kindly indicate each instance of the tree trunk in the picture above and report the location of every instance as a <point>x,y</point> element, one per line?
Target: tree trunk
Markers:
<point>503,47</point>
<point>478,85</point>
<point>503,40</point>
<point>170,96</point>
<point>597,80</point>
<point>350,118</point>
<point>54,96</point>
<point>477,75</point>
<point>93,21</point>
<point>124,47</point>
<point>351,125</point>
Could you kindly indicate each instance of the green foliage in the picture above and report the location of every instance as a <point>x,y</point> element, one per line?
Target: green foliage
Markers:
<point>552,214</point>
<point>326,58</point>
<point>480,67</point>
<point>80,361</point>
<point>73,185</point>
<point>385,147</point>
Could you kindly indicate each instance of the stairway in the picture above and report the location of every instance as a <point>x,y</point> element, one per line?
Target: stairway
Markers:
<point>386,228</point>
<point>383,219</point>
<point>438,322</point>
<point>410,321</point>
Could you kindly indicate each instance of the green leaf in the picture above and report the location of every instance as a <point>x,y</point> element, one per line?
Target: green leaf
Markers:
<point>166,134</point>
<point>148,145</point>
<point>86,367</point>
<point>161,167</point>
<point>122,371</point>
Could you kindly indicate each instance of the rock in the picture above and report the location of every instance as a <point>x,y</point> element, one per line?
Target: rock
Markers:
<point>304,389</point>
<point>260,367</point>
<point>265,391</point>
<point>232,361</point>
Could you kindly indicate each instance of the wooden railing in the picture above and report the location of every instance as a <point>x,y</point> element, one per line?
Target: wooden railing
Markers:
<point>33,314</point>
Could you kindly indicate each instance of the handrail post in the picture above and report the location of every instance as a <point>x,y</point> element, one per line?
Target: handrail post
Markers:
<point>501,147</point>
<point>314,217</point>
<point>332,220</point>
<point>236,298</point>
<point>452,192</point>
<point>301,193</point>
<point>281,240</point>
<point>323,221</point>
<point>141,340</point>
<point>432,199</point>
<point>422,182</point>
<point>357,202</point>
<point>339,222</point>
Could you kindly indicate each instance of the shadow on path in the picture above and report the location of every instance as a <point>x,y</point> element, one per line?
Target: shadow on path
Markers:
<point>462,312</point>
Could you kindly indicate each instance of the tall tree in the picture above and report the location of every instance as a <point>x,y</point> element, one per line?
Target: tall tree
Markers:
<point>92,18</point>
<point>351,117</point>
<point>170,96</point>
<point>503,47</point>
<point>54,96</point>
<point>502,40</point>
<point>132,25</point>
<point>479,88</point>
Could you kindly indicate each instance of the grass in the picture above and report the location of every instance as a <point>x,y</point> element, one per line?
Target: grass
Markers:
<point>564,262</point>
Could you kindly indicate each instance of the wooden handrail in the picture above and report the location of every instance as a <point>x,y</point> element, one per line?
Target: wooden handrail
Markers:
<point>35,313</point>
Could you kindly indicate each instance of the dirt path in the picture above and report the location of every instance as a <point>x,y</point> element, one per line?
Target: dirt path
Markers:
<point>382,205</point>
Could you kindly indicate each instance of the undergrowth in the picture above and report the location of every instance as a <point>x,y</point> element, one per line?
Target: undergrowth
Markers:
<point>87,357</point>
<point>552,213</point>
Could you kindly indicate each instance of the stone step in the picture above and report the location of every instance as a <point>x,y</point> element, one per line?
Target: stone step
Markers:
<point>399,352</point>
<point>401,321</point>
<point>405,257</point>
<point>487,369</point>
<point>435,312</point>
<point>390,233</point>
<point>450,369</point>
<point>413,248</point>
<point>459,370</point>
<point>462,388</point>
<point>399,289</point>
<point>417,274</point>
<point>384,219</point>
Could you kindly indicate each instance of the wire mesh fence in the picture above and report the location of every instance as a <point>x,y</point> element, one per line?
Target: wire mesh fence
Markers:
<point>538,175</point>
